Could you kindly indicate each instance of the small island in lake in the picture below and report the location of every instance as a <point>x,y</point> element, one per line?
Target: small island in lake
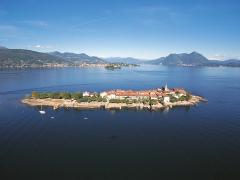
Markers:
<point>114,66</point>
<point>115,99</point>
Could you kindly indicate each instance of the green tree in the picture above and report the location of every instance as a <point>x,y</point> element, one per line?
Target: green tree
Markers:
<point>65,95</point>
<point>173,99</point>
<point>35,94</point>
<point>188,96</point>
<point>77,95</point>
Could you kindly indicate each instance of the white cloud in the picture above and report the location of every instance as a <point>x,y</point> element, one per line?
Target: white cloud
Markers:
<point>42,47</point>
<point>38,46</point>
<point>222,57</point>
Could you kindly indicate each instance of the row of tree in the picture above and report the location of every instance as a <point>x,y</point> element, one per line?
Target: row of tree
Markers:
<point>78,96</point>
<point>57,95</point>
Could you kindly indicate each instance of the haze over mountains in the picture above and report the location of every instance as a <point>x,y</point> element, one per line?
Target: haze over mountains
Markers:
<point>128,60</point>
<point>28,58</point>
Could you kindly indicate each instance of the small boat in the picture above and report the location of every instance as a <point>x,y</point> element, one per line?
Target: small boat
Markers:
<point>41,111</point>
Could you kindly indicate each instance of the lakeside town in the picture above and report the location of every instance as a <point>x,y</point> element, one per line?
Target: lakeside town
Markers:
<point>108,66</point>
<point>116,99</point>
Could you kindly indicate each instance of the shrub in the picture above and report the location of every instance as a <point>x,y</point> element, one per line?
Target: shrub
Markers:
<point>173,99</point>
<point>65,95</point>
<point>182,98</point>
<point>77,95</point>
<point>55,95</point>
<point>83,99</point>
<point>43,95</point>
<point>35,94</point>
<point>153,102</point>
<point>188,96</point>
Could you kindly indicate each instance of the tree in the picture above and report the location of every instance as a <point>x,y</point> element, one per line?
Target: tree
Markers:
<point>188,96</point>
<point>43,95</point>
<point>65,95</point>
<point>153,102</point>
<point>35,94</point>
<point>183,98</point>
<point>77,95</point>
<point>173,99</point>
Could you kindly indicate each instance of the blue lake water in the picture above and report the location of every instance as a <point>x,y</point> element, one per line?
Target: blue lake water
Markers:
<point>201,142</point>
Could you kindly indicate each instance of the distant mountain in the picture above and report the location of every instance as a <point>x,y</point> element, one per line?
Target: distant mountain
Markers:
<point>2,47</point>
<point>183,59</point>
<point>127,60</point>
<point>230,63</point>
<point>192,59</point>
<point>27,58</point>
<point>155,61</point>
<point>78,58</point>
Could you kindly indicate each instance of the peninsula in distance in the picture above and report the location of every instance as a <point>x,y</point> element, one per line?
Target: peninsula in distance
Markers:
<point>21,58</point>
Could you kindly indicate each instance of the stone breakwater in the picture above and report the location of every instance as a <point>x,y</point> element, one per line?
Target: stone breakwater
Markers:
<point>63,103</point>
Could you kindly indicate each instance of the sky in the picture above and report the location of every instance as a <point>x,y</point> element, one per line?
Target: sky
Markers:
<point>145,29</point>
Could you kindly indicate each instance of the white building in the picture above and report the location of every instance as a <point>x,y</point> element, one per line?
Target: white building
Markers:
<point>111,96</point>
<point>166,99</point>
<point>103,94</point>
<point>176,96</point>
<point>86,94</point>
<point>166,88</point>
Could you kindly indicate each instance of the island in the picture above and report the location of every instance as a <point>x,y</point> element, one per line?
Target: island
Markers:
<point>155,99</point>
<point>113,66</point>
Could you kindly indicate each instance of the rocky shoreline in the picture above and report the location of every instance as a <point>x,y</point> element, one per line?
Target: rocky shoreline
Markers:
<point>65,103</point>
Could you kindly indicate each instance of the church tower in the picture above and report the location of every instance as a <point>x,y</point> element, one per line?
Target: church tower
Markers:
<point>166,88</point>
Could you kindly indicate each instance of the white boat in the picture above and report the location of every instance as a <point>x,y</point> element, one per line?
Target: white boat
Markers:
<point>42,112</point>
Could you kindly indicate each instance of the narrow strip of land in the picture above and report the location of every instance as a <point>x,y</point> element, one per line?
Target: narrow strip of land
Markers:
<point>116,99</point>
<point>66,103</point>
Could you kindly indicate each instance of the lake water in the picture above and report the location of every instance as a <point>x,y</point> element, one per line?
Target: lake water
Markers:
<point>201,142</point>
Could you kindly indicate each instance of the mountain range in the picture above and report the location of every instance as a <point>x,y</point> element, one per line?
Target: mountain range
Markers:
<point>183,59</point>
<point>2,47</point>
<point>78,58</point>
<point>28,58</point>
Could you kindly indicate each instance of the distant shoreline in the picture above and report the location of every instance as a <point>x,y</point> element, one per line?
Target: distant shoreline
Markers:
<point>110,66</point>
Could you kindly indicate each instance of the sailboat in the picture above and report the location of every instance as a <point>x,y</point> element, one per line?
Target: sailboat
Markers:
<point>41,111</point>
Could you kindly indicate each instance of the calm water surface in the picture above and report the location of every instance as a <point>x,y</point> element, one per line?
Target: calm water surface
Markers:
<point>201,142</point>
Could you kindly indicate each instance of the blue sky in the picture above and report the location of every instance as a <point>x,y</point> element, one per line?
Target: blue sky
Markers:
<point>138,28</point>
